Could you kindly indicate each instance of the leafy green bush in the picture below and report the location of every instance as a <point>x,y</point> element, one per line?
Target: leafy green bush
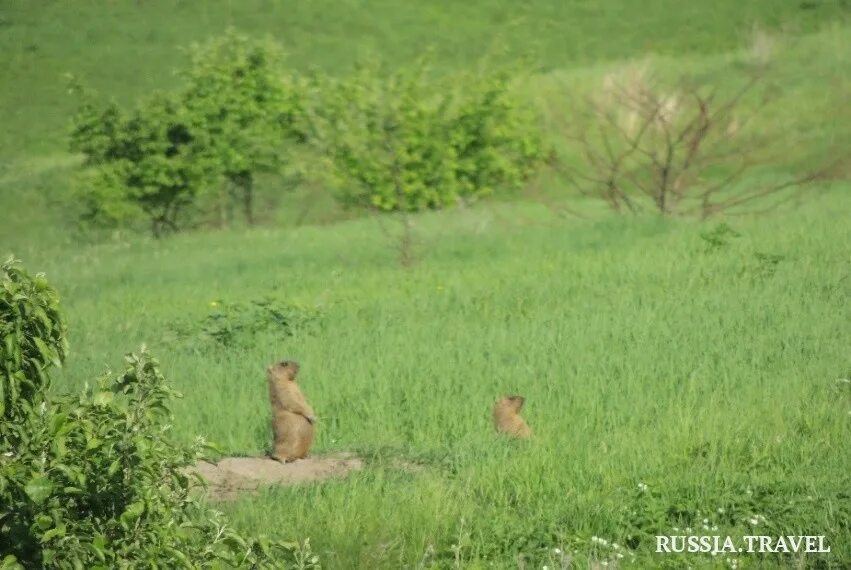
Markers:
<point>143,164</point>
<point>385,137</point>
<point>408,142</point>
<point>94,481</point>
<point>496,136</point>
<point>168,159</point>
<point>239,96</point>
<point>719,237</point>
<point>238,324</point>
<point>402,140</point>
<point>32,338</point>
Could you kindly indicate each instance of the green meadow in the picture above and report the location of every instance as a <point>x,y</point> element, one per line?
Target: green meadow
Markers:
<point>681,377</point>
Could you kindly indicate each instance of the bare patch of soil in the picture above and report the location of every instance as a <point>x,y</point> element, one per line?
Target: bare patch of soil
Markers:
<point>231,476</point>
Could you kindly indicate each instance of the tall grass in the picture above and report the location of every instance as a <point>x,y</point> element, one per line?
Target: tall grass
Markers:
<point>646,354</point>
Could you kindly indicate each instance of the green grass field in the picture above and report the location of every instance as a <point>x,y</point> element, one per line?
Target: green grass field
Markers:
<point>644,356</point>
<point>667,380</point>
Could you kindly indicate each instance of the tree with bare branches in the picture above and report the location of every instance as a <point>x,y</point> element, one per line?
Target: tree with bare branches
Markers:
<point>686,150</point>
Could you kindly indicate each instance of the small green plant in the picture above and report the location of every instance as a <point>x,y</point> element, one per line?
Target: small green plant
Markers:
<point>766,263</point>
<point>719,236</point>
<point>94,480</point>
<point>237,324</point>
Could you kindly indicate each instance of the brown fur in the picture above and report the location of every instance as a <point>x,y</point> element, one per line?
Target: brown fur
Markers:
<point>506,419</point>
<point>292,417</point>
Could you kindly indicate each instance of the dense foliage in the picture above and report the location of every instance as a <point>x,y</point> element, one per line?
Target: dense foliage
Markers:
<point>399,140</point>
<point>32,338</point>
<point>142,164</point>
<point>176,157</point>
<point>238,96</point>
<point>409,142</point>
<point>95,480</point>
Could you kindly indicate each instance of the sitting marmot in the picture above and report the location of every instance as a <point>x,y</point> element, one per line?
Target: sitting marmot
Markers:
<point>292,416</point>
<point>506,418</point>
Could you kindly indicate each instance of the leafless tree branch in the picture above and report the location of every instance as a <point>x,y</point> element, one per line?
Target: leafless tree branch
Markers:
<point>666,145</point>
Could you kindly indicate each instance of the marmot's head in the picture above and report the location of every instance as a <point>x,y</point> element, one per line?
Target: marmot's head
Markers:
<point>512,402</point>
<point>285,369</point>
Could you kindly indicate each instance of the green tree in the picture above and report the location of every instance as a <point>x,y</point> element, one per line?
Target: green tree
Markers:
<point>496,136</point>
<point>238,95</point>
<point>141,164</point>
<point>409,142</point>
<point>387,135</point>
<point>405,142</point>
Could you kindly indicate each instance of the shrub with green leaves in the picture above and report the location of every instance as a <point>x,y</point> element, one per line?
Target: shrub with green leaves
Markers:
<point>141,165</point>
<point>238,324</point>
<point>496,136</point>
<point>195,151</point>
<point>95,480</point>
<point>239,95</point>
<point>32,338</point>
<point>402,140</point>
<point>385,137</point>
<point>407,142</point>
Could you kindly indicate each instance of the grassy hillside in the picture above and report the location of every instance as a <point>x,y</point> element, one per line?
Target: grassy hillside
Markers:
<point>807,124</point>
<point>128,48</point>
<point>670,377</point>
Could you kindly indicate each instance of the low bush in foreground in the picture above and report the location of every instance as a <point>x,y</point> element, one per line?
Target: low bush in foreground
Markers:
<point>95,480</point>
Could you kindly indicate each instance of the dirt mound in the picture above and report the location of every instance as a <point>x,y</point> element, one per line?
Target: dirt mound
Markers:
<point>233,475</point>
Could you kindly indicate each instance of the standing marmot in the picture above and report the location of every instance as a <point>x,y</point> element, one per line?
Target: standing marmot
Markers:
<point>292,416</point>
<point>505,418</point>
